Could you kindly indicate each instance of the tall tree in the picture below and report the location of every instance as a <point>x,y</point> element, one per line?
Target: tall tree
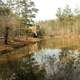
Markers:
<point>24,9</point>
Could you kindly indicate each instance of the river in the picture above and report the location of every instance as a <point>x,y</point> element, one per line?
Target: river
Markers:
<point>42,51</point>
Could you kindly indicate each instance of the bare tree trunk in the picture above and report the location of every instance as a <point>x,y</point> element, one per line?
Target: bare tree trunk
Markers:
<point>6,35</point>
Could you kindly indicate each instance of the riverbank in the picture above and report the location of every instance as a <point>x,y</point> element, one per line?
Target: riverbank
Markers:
<point>55,42</point>
<point>18,43</point>
<point>60,41</point>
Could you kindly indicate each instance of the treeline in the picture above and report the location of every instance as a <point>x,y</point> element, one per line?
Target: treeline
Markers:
<point>67,21</point>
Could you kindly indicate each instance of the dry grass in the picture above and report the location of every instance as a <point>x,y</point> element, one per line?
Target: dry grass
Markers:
<point>68,41</point>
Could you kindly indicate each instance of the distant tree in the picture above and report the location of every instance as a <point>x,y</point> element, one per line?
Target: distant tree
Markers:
<point>77,11</point>
<point>66,17</point>
<point>67,11</point>
<point>59,14</point>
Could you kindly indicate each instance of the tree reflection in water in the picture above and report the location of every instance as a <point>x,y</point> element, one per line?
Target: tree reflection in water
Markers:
<point>57,64</point>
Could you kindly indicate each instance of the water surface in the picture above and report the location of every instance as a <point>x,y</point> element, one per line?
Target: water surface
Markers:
<point>43,51</point>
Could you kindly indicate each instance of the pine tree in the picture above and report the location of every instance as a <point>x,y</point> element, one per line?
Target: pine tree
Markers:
<point>24,9</point>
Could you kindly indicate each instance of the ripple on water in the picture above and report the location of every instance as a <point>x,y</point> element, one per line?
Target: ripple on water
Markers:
<point>43,54</point>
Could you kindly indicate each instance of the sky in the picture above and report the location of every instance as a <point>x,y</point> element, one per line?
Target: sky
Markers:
<point>48,8</point>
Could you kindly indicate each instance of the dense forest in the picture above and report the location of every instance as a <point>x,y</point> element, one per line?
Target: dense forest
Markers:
<point>66,22</point>
<point>15,19</point>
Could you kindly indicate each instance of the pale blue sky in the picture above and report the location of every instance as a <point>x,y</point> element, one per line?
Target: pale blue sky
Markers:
<point>47,8</point>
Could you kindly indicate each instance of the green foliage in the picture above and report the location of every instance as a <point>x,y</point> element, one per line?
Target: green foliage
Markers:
<point>4,10</point>
<point>67,11</point>
<point>77,11</point>
<point>24,9</point>
<point>59,14</point>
